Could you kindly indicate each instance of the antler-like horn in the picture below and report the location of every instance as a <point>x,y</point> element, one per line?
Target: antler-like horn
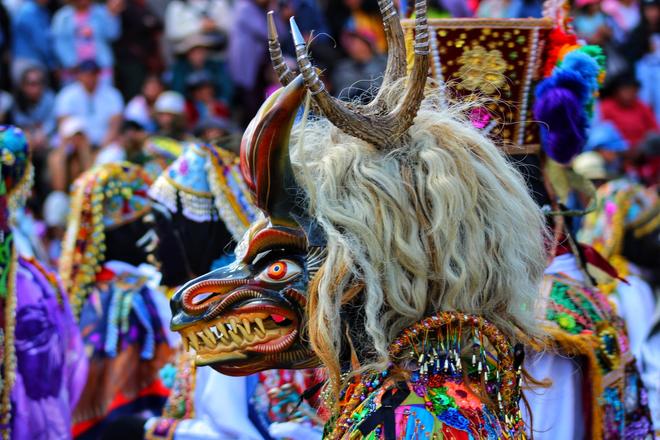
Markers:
<point>396,52</point>
<point>378,129</point>
<point>265,161</point>
<point>284,74</point>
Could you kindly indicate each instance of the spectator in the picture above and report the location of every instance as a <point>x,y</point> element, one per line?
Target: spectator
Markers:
<point>128,146</point>
<point>99,106</point>
<point>214,130</point>
<point>624,12</point>
<point>248,54</point>
<point>33,108</point>
<point>84,31</point>
<point>622,106</point>
<point>364,17</point>
<point>196,59</point>
<point>187,18</point>
<point>591,23</point>
<point>33,112</point>
<point>34,45</point>
<point>648,74</point>
<point>72,156</point>
<point>201,102</point>
<point>141,108</point>
<point>639,43</point>
<point>170,110</point>
<point>362,71</point>
<point>137,50</point>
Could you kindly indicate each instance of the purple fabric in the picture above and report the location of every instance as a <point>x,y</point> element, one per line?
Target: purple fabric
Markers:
<point>249,42</point>
<point>564,123</point>
<point>51,365</point>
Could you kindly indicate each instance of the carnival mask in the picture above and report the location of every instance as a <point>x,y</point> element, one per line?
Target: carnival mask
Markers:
<point>249,315</point>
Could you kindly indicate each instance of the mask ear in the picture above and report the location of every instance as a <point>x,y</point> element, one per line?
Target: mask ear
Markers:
<point>265,160</point>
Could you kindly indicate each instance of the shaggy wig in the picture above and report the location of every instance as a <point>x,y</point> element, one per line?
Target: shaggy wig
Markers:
<point>440,223</point>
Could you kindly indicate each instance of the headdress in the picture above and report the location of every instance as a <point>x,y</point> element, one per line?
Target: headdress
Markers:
<point>160,152</point>
<point>103,198</point>
<point>15,185</point>
<point>206,181</point>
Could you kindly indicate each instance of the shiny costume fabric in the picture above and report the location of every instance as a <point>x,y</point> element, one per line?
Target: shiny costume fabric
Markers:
<point>51,365</point>
<point>582,323</point>
<point>126,341</point>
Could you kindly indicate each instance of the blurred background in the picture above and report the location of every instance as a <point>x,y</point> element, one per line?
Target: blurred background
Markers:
<point>94,82</point>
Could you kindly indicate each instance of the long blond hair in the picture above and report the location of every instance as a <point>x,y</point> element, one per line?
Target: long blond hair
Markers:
<point>442,222</point>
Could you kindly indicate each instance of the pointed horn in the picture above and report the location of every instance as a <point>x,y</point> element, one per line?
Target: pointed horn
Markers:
<point>382,131</point>
<point>402,117</point>
<point>265,161</point>
<point>283,72</point>
<point>352,123</point>
<point>396,49</point>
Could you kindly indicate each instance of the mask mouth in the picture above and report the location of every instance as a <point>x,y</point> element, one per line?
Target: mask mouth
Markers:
<point>250,329</point>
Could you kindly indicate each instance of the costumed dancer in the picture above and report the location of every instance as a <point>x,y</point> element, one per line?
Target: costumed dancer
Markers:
<point>42,362</point>
<point>202,208</point>
<point>625,229</point>
<point>397,240</point>
<point>114,296</point>
<point>595,391</point>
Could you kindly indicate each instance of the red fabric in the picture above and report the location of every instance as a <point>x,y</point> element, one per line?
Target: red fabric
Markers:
<point>634,122</point>
<point>217,109</point>
<point>105,275</point>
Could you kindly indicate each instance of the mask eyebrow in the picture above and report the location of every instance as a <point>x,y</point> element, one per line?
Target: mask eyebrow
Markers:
<point>272,238</point>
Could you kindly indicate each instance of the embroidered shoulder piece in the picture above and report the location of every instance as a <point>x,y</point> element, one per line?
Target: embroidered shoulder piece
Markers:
<point>426,394</point>
<point>583,323</point>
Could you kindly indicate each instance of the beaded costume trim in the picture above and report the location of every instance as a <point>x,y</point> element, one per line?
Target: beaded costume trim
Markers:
<point>426,389</point>
<point>582,322</point>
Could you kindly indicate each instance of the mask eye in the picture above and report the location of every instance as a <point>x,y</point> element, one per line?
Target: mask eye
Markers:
<point>279,271</point>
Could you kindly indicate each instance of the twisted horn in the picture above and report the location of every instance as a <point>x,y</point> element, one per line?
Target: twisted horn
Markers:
<point>284,74</point>
<point>396,52</point>
<point>377,129</point>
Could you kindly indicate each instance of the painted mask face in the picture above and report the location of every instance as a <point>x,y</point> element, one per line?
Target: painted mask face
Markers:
<point>249,316</point>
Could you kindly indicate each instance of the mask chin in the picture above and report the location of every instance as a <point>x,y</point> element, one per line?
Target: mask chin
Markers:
<point>121,243</point>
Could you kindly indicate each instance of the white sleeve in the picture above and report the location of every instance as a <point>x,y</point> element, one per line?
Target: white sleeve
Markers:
<point>221,409</point>
<point>557,411</point>
<point>635,304</point>
<point>179,21</point>
<point>63,103</point>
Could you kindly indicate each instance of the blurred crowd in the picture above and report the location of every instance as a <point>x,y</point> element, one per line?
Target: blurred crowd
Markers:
<point>94,82</point>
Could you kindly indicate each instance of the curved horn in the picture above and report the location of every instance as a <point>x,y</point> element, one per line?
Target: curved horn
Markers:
<point>265,161</point>
<point>377,129</point>
<point>284,74</point>
<point>396,51</point>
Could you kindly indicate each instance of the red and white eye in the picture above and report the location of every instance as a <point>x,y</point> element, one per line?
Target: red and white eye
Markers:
<point>279,271</point>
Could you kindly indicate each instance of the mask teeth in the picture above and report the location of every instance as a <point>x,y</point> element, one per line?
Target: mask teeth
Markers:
<point>233,331</point>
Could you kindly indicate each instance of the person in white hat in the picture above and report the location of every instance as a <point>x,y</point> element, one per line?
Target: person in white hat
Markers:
<point>170,115</point>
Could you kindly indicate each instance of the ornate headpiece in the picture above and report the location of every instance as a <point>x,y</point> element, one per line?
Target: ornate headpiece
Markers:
<point>205,180</point>
<point>160,152</point>
<point>103,198</point>
<point>534,83</point>
<point>15,185</point>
